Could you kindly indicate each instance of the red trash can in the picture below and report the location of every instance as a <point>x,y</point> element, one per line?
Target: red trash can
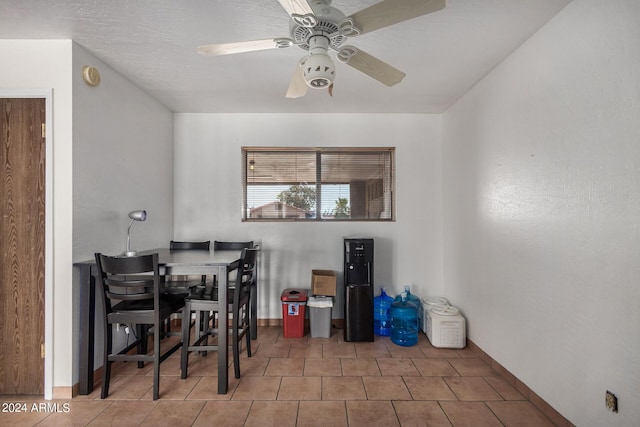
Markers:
<point>294,301</point>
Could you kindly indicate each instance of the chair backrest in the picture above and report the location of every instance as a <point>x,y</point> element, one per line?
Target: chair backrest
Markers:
<point>246,274</point>
<point>174,246</point>
<point>131,280</point>
<point>223,246</point>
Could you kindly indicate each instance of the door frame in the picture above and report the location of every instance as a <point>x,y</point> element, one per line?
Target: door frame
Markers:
<point>47,94</point>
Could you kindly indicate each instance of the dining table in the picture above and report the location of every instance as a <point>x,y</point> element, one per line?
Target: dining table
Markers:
<point>171,262</point>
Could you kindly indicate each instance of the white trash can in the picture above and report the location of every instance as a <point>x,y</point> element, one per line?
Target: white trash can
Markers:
<point>320,316</point>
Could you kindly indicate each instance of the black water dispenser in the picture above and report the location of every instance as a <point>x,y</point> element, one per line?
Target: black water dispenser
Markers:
<point>358,289</point>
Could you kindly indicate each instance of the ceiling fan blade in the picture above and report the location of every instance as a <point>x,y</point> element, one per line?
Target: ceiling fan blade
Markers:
<point>300,12</point>
<point>297,87</point>
<point>241,47</point>
<point>370,65</point>
<point>390,12</point>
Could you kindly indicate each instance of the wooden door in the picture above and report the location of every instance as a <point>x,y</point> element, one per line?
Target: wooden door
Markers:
<point>22,204</point>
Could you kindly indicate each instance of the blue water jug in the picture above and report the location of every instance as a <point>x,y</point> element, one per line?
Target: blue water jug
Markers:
<point>404,322</point>
<point>415,300</point>
<point>382,314</point>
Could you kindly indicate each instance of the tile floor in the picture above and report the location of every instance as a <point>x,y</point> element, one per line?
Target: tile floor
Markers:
<point>300,382</point>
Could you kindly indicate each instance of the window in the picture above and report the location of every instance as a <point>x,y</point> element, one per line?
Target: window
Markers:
<point>318,184</point>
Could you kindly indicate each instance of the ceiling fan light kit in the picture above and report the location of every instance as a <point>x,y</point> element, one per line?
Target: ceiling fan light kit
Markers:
<point>318,27</point>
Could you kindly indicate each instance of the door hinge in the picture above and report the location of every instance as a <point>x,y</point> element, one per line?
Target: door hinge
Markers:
<point>44,130</point>
<point>42,351</point>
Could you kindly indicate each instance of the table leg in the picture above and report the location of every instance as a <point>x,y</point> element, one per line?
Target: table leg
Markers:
<point>87,295</point>
<point>223,320</point>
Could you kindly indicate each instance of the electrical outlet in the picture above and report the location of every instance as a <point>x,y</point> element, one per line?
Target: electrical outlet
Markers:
<point>611,401</point>
<point>126,331</point>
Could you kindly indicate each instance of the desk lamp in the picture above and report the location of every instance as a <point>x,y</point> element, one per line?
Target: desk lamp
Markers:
<point>140,215</point>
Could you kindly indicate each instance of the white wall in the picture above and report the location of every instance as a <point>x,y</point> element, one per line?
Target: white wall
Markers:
<point>542,207</point>
<point>122,161</point>
<point>208,197</point>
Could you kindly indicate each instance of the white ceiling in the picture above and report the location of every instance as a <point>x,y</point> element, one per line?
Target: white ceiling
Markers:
<point>153,43</point>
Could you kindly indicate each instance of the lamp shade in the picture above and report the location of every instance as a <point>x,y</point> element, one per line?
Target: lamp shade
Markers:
<point>139,215</point>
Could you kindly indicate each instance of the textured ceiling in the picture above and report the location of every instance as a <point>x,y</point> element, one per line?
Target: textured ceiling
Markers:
<point>153,43</point>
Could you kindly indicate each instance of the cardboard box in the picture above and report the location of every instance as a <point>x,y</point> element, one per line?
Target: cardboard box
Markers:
<point>323,282</point>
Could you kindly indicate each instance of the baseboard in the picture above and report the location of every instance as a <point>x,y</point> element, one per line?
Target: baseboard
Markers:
<point>336,323</point>
<point>64,393</point>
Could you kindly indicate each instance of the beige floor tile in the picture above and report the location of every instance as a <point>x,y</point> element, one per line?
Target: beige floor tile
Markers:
<point>470,414</point>
<point>414,413</point>
<point>434,367</point>
<point>338,350</point>
<point>305,350</point>
<point>405,352</point>
<point>207,389</point>
<point>343,388</point>
<point>472,367</point>
<point>372,350</point>
<point>276,414</point>
<point>519,414</point>
<point>506,390</point>
<point>285,366</point>
<point>472,388</point>
<point>360,367</point>
<point>371,413</point>
<point>173,388</point>
<point>124,412</point>
<point>394,366</point>
<point>300,388</point>
<point>322,367</point>
<point>19,410</point>
<point>438,353</point>
<point>386,388</point>
<point>322,414</point>
<point>253,366</point>
<point>173,413</point>
<point>32,410</point>
<point>273,350</point>
<point>227,414</point>
<point>130,387</point>
<point>429,388</point>
<point>257,388</point>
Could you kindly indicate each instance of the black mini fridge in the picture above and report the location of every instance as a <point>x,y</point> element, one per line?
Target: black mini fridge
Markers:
<point>358,289</point>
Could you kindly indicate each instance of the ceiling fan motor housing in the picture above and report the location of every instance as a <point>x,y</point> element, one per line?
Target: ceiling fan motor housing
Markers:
<point>318,69</point>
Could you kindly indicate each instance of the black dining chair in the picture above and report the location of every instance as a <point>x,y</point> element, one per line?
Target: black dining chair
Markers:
<point>178,284</point>
<point>238,308</point>
<point>185,284</point>
<point>130,291</point>
<point>253,298</point>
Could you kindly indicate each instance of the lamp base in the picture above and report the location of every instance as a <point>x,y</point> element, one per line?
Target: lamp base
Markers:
<point>130,253</point>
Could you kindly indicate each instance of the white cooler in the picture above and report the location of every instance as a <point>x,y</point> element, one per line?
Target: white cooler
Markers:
<point>446,327</point>
<point>429,303</point>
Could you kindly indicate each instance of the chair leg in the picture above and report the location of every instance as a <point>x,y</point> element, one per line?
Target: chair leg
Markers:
<point>156,361</point>
<point>253,312</point>
<point>106,367</point>
<point>248,336</point>
<point>235,346</point>
<point>186,326</point>
<point>143,337</point>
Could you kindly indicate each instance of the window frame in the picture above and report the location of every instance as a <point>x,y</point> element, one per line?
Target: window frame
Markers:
<point>389,198</point>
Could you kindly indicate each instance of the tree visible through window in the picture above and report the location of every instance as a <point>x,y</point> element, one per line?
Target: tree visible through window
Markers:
<point>316,184</point>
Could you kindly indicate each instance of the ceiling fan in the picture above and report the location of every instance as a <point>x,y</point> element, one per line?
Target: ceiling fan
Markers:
<point>318,27</point>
